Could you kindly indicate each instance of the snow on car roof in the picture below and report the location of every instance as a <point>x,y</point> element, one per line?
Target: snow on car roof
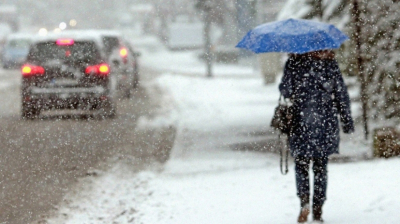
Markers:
<point>94,32</point>
<point>106,32</point>
<point>76,35</point>
<point>89,34</point>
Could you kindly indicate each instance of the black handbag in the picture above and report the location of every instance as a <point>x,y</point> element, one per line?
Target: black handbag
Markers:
<point>283,117</point>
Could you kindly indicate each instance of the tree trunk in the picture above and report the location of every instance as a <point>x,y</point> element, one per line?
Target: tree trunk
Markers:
<point>207,42</point>
<point>318,8</point>
<point>360,65</point>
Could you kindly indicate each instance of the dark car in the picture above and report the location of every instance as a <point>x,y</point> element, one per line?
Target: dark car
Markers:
<point>120,56</point>
<point>67,72</point>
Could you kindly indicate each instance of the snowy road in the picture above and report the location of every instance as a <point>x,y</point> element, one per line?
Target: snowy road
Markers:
<point>42,159</point>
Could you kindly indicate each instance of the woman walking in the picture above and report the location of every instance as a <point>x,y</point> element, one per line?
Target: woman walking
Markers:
<point>314,84</point>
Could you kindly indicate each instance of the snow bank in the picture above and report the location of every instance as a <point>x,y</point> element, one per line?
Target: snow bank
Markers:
<point>209,104</point>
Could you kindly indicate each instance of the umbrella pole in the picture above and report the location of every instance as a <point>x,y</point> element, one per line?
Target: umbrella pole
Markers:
<point>360,65</point>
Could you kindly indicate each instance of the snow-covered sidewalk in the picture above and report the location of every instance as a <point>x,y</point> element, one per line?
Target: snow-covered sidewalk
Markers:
<point>208,180</point>
<point>364,192</point>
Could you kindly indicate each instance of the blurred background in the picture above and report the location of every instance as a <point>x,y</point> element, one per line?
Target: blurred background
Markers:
<point>172,45</point>
<point>231,19</point>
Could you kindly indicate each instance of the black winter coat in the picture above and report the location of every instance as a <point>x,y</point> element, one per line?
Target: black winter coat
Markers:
<point>319,95</point>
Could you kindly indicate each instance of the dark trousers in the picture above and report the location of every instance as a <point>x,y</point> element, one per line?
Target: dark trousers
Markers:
<point>302,167</point>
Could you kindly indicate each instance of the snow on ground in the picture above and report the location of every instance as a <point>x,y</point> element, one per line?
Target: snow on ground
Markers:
<point>207,181</point>
<point>363,192</point>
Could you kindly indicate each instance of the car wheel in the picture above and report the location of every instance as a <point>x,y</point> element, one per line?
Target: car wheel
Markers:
<point>108,110</point>
<point>134,85</point>
<point>112,113</point>
<point>128,93</point>
<point>29,112</point>
<point>136,82</point>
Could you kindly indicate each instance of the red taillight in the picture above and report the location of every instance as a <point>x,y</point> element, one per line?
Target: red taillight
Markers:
<point>123,52</point>
<point>104,69</point>
<point>65,42</point>
<point>101,69</point>
<point>32,70</point>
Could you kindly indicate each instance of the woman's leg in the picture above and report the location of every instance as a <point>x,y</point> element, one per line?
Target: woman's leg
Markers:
<point>320,180</point>
<point>320,185</point>
<point>302,166</point>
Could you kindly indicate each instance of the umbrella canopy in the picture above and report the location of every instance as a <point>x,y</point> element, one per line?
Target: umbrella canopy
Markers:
<point>292,36</point>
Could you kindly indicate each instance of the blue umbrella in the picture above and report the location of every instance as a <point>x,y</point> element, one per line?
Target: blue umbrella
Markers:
<point>292,36</point>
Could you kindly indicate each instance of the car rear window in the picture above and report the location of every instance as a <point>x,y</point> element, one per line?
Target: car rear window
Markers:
<point>78,52</point>
<point>110,43</point>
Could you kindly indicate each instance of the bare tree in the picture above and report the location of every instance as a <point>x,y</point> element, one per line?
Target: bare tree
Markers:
<point>317,9</point>
<point>356,15</point>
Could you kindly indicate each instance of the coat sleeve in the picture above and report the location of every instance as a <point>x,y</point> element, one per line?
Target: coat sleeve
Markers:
<point>342,100</point>
<point>286,86</point>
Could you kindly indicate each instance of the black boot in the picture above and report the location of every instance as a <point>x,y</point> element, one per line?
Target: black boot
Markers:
<point>317,214</point>
<point>304,210</point>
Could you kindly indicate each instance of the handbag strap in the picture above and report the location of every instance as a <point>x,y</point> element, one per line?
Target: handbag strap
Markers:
<point>280,100</point>
<point>281,145</point>
<point>281,154</point>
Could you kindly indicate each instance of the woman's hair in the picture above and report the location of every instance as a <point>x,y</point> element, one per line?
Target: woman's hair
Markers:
<point>324,54</point>
<point>319,55</point>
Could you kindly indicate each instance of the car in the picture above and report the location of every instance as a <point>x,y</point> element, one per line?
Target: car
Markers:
<point>130,66</point>
<point>135,62</point>
<point>111,40</point>
<point>67,71</point>
<point>122,58</point>
<point>15,50</point>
